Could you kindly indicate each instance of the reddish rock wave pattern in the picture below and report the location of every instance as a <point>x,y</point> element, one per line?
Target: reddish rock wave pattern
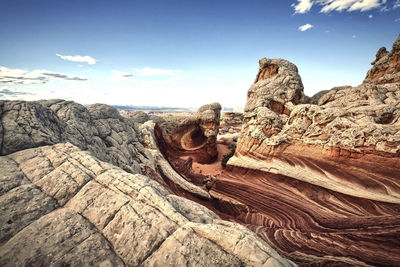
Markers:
<point>321,182</point>
<point>318,178</point>
<point>310,224</point>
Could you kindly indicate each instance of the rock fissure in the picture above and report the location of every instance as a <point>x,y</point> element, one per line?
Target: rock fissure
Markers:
<point>105,238</point>
<point>158,245</point>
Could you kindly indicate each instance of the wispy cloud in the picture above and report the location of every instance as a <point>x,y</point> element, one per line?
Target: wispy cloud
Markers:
<point>5,92</point>
<point>86,59</point>
<point>18,76</point>
<point>153,72</point>
<point>305,27</point>
<point>365,5</point>
<point>120,76</point>
<point>396,4</point>
<point>303,6</point>
<point>397,20</point>
<point>370,16</point>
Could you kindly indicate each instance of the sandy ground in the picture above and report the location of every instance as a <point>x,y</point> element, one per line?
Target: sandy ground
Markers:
<point>223,149</point>
<point>214,168</point>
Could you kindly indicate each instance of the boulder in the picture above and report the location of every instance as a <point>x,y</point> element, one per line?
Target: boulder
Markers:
<point>138,116</point>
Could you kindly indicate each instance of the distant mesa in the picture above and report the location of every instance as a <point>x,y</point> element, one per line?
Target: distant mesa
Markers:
<point>146,108</point>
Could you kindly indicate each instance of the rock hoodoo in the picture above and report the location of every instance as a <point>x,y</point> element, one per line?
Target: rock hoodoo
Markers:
<point>386,67</point>
<point>271,98</point>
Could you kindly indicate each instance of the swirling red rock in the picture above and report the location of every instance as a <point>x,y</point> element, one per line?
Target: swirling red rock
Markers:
<point>321,182</point>
<point>194,136</point>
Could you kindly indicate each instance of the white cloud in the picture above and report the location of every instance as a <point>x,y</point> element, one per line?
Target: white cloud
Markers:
<point>396,4</point>
<point>365,5</point>
<point>18,76</point>
<point>305,27</point>
<point>370,16</point>
<point>120,76</point>
<point>304,6</point>
<point>89,60</point>
<point>153,72</point>
<point>397,20</point>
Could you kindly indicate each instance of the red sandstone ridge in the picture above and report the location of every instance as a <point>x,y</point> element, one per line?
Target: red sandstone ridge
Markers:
<point>320,181</point>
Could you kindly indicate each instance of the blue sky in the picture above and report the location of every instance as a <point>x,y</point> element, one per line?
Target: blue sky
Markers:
<point>183,53</point>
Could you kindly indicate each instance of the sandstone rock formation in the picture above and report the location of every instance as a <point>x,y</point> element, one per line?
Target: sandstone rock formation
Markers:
<point>317,178</point>
<point>271,98</point>
<point>98,128</point>
<point>232,118</point>
<point>321,181</point>
<point>139,116</point>
<point>386,66</point>
<point>162,166</point>
<point>231,122</point>
<point>61,205</point>
<point>195,136</point>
